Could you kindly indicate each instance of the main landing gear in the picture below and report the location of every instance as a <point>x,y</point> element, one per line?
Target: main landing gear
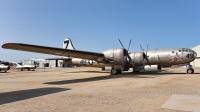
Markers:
<point>115,72</point>
<point>190,70</point>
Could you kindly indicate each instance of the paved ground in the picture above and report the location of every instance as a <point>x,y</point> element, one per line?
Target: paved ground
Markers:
<point>90,89</point>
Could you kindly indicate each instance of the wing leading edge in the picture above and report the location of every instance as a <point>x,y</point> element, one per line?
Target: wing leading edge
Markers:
<point>53,51</point>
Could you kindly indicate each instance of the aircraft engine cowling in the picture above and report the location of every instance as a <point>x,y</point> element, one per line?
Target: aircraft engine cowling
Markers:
<point>147,68</point>
<point>137,58</point>
<point>114,55</point>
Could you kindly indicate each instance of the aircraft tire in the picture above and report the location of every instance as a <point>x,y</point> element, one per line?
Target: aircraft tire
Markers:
<point>28,69</point>
<point>119,71</point>
<point>190,71</point>
<point>21,69</point>
<point>113,71</point>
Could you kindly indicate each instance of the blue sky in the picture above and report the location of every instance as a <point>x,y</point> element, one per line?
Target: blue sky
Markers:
<point>95,25</point>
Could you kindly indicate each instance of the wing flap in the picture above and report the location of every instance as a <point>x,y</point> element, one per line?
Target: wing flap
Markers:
<point>53,51</point>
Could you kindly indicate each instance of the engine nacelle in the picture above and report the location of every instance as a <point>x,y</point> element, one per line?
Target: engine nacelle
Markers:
<point>137,58</point>
<point>147,68</point>
<point>114,55</point>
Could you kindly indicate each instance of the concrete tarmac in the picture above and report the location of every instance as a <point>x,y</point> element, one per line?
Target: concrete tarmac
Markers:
<point>92,90</point>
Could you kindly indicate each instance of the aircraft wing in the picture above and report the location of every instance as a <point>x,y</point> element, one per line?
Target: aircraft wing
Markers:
<point>59,58</point>
<point>53,51</point>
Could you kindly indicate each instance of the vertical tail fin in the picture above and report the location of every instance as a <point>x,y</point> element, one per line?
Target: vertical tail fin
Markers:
<point>67,44</point>
<point>16,64</point>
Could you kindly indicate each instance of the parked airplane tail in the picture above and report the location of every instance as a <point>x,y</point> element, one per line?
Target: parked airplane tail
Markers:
<point>67,44</point>
<point>16,64</point>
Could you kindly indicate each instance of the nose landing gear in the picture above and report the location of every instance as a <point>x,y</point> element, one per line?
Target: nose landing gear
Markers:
<point>190,70</point>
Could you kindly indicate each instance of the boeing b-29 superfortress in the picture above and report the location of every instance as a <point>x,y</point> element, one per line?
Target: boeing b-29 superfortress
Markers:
<point>117,59</point>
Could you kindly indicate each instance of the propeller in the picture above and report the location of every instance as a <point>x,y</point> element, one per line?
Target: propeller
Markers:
<point>145,57</point>
<point>126,55</point>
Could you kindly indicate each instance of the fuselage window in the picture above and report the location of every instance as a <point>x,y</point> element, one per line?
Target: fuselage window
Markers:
<point>179,50</point>
<point>172,51</point>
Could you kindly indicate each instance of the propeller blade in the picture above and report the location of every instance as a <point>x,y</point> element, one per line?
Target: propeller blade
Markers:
<point>121,43</point>
<point>129,44</point>
<point>144,62</point>
<point>147,49</point>
<point>142,48</point>
<point>148,62</point>
<point>124,62</point>
<point>130,60</point>
<point>126,55</point>
<point>147,56</point>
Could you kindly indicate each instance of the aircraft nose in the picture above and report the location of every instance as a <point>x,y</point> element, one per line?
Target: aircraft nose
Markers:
<point>195,54</point>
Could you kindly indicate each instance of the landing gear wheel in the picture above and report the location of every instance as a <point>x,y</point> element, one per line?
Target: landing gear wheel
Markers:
<point>21,69</point>
<point>113,71</point>
<point>28,69</point>
<point>119,71</point>
<point>190,71</point>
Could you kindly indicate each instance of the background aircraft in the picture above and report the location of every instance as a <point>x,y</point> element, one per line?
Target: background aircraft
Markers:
<point>4,68</point>
<point>28,67</point>
<point>117,59</point>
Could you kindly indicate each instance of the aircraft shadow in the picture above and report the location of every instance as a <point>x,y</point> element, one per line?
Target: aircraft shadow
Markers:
<point>14,96</point>
<point>89,72</point>
<point>149,74</point>
<point>4,72</point>
<point>160,73</point>
<point>91,79</point>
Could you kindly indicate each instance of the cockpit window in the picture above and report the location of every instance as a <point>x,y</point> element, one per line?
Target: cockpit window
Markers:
<point>186,50</point>
<point>179,50</point>
<point>172,51</point>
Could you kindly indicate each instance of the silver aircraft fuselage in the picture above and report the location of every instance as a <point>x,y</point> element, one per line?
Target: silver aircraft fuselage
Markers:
<point>162,57</point>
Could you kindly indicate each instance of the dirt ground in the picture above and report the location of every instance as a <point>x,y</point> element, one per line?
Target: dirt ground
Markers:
<point>90,89</point>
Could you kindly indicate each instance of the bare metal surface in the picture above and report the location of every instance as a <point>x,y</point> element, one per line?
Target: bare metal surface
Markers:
<point>90,89</point>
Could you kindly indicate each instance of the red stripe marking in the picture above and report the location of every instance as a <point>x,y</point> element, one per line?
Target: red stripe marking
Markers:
<point>4,45</point>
